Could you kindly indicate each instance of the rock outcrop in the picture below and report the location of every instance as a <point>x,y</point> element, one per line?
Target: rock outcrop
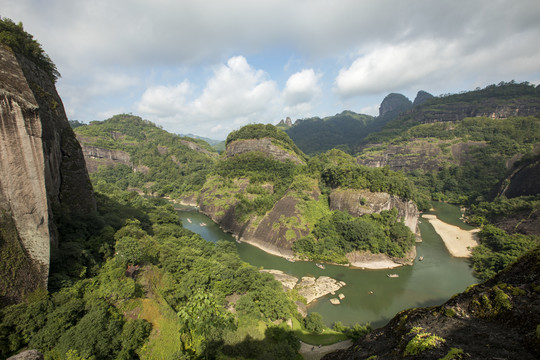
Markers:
<point>42,174</point>
<point>361,202</point>
<point>421,97</point>
<point>393,104</point>
<point>97,156</point>
<point>424,154</point>
<point>309,287</point>
<point>263,145</point>
<point>494,320</point>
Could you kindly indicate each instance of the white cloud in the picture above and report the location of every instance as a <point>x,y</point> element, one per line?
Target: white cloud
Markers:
<point>235,95</point>
<point>235,91</point>
<point>302,87</point>
<point>165,101</point>
<point>396,65</point>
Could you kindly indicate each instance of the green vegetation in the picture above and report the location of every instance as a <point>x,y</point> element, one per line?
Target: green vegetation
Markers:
<point>124,272</point>
<point>259,131</point>
<point>342,131</point>
<point>421,342</point>
<point>21,42</point>
<point>498,249</point>
<point>355,332</point>
<point>340,170</point>
<point>449,107</point>
<point>454,354</point>
<point>495,301</point>
<point>161,163</point>
<point>339,233</point>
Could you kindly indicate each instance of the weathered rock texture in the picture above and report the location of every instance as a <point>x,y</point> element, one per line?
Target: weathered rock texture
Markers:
<point>424,154</point>
<point>494,320</point>
<point>27,355</point>
<point>309,287</point>
<point>96,157</point>
<point>42,172</point>
<point>361,202</point>
<point>263,145</point>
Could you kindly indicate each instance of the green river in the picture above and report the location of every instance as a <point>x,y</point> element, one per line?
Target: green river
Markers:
<point>370,295</point>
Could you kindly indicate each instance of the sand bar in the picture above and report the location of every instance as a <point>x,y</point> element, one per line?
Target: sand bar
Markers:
<point>459,242</point>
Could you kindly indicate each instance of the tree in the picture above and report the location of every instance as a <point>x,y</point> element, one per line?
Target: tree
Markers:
<point>314,323</point>
<point>204,319</point>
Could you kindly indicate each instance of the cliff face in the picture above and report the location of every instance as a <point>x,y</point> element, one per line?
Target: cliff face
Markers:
<point>96,156</point>
<point>361,202</point>
<point>494,320</point>
<point>42,172</point>
<point>263,145</point>
<point>275,232</point>
<point>420,154</point>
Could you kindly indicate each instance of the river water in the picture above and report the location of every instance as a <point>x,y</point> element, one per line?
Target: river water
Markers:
<point>370,295</point>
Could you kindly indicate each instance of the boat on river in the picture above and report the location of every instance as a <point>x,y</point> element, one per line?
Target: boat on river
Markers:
<point>392,275</point>
<point>189,220</point>
<point>202,224</point>
<point>420,258</point>
<point>320,266</point>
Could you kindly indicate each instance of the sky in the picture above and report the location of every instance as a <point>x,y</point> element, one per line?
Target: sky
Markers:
<point>208,67</point>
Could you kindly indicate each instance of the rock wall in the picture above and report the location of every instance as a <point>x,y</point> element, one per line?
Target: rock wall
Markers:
<point>263,145</point>
<point>361,202</point>
<point>96,156</point>
<point>42,173</point>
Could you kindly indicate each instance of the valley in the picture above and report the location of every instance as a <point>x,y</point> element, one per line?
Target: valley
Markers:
<point>413,233</point>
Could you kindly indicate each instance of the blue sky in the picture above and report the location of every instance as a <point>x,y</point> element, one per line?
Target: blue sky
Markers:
<point>211,66</point>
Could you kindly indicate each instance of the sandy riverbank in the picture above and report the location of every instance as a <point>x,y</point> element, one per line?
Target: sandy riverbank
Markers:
<point>459,242</point>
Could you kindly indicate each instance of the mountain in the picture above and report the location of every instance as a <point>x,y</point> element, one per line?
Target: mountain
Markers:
<point>151,160</point>
<point>346,129</point>
<point>316,135</point>
<point>266,192</point>
<point>42,174</point>
<point>217,145</point>
<point>494,320</point>
<point>462,144</point>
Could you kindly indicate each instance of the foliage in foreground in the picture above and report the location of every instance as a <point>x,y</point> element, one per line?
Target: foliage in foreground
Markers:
<point>92,308</point>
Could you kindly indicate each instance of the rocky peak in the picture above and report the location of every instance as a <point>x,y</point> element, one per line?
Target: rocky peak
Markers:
<point>286,122</point>
<point>421,97</point>
<point>393,104</point>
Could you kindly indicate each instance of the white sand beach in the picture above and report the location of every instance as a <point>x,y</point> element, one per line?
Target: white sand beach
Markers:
<point>459,242</point>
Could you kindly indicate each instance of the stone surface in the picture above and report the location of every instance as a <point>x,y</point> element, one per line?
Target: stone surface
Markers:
<point>41,169</point>
<point>288,281</point>
<point>313,288</point>
<point>361,202</point>
<point>96,156</point>
<point>309,287</point>
<point>27,355</point>
<point>263,145</point>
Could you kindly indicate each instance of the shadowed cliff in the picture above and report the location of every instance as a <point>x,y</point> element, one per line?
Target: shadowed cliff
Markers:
<point>42,174</point>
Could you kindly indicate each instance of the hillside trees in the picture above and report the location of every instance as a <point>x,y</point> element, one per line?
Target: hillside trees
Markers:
<point>21,42</point>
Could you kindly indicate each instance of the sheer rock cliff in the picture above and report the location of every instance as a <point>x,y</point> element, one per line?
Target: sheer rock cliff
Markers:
<point>42,174</point>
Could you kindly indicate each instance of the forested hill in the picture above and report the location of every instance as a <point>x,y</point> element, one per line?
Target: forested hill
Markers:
<point>346,130</point>
<point>145,157</point>
<point>499,101</point>
<point>315,135</point>
<point>463,144</point>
